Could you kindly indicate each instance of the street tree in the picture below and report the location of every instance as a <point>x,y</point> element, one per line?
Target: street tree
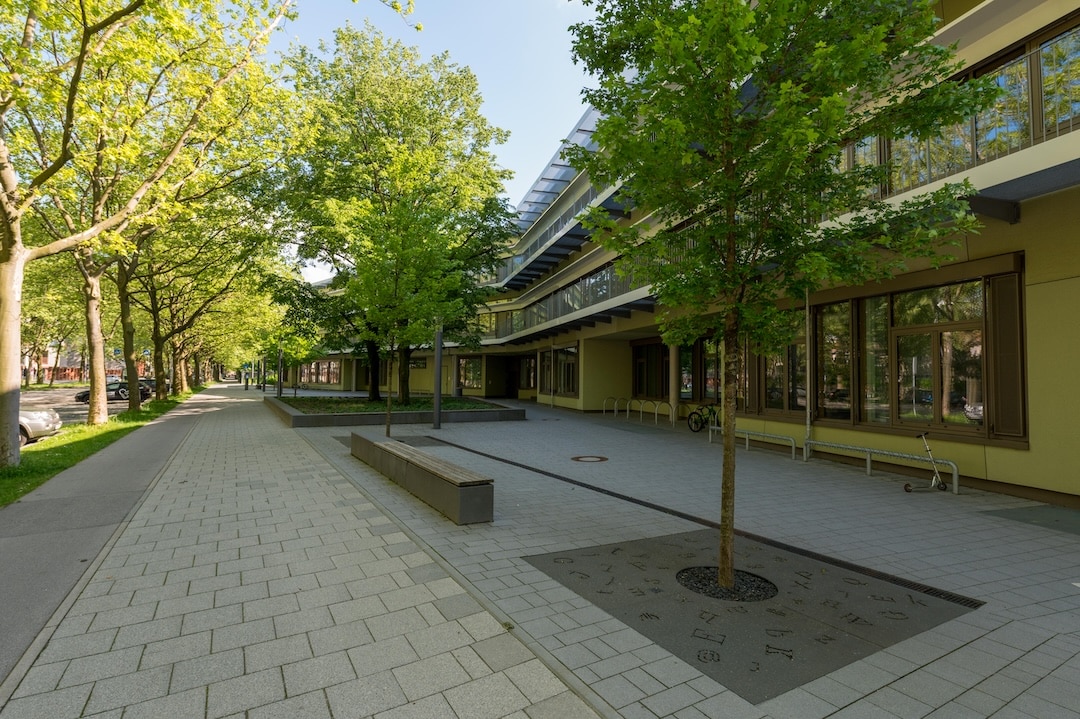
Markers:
<point>725,124</point>
<point>52,319</point>
<point>400,189</point>
<point>101,103</point>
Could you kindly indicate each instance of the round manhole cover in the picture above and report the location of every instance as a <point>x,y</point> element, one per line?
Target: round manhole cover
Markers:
<point>589,458</point>
<point>747,588</point>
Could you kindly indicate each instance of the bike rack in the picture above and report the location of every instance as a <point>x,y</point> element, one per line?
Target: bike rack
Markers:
<point>603,407</point>
<point>870,453</point>
<point>747,434</point>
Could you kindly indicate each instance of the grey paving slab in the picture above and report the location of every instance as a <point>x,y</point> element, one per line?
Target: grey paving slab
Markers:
<point>251,578</point>
<point>334,593</point>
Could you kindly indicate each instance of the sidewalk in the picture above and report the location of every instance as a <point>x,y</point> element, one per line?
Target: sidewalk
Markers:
<point>267,573</point>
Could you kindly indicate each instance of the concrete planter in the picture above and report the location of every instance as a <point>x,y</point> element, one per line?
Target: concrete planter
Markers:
<point>294,418</point>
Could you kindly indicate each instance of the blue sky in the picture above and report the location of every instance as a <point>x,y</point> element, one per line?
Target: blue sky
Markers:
<point>519,51</point>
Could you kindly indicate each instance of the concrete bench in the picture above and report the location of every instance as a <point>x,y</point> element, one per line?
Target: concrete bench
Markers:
<point>464,496</point>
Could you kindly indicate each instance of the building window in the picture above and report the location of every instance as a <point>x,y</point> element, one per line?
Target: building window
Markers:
<point>566,373</point>
<point>834,370</point>
<point>470,372</point>
<point>938,341</point>
<point>650,370</point>
<point>945,356</point>
<point>527,373</point>
<point>559,369</point>
<point>545,373</point>
<point>784,375</point>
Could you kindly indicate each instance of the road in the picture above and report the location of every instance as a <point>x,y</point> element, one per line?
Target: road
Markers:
<point>62,399</point>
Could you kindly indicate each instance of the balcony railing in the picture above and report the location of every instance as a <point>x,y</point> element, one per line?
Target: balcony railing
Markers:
<point>512,264</point>
<point>1040,100</point>
<point>589,291</point>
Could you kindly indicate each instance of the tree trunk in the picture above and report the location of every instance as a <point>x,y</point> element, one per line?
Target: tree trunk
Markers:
<point>12,266</point>
<point>98,411</point>
<point>404,392</point>
<point>127,324</point>
<point>389,389</point>
<point>725,574</point>
<point>373,371</point>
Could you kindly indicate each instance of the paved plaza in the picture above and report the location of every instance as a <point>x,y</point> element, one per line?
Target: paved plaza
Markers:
<point>263,571</point>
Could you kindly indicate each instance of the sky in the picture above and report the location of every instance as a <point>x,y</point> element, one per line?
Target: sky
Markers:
<point>519,51</point>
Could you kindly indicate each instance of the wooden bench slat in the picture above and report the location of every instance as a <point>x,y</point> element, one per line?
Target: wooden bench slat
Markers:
<point>453,473</point>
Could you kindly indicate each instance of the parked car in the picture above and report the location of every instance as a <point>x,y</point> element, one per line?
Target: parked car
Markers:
<point>35,423</point>
<point>974,412</point>
<point>152,384</point>
<point>114,390</point>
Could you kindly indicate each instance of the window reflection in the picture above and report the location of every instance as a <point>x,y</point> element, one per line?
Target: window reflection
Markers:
<point>834,361</point>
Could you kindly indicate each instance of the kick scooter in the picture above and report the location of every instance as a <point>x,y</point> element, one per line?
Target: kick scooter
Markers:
<point>936,480</point>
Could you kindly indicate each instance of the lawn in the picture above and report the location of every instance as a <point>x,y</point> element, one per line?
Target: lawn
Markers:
<point>42,460</point>
<point>355,405</point>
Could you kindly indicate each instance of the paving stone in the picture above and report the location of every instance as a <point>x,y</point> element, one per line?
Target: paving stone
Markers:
<point>308,706</point>
<point>204,670</point>
<point>101,666</point>
<point>502,651</point>
<point>489,697</point>
<point>128,689</point>
<point>243,693</point>
<point>429,676</point>
<point>59,704</point>
<point>366,696</point>
<point>191,703</point>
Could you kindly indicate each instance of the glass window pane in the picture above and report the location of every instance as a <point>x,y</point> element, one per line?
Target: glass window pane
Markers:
<point>961,377</point>
<point>797,377</point>
<point>875,368</point>
<point>914,381</point>
<point>948,303</point>
<point>686,373</point>
<point>909,163</point>
<point>834,361</point>
<point>1060,60</point>
<point>774,382</point>
<point>1005,126</point>
<point>714,373</point>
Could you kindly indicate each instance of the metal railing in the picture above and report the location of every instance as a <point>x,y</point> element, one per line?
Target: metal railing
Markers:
<point>747,434</point>
<point>870,453</point>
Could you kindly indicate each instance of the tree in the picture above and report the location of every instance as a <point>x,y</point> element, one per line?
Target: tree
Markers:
<point>727,124</point>
<point>400,189</point>
<point>114,90</point>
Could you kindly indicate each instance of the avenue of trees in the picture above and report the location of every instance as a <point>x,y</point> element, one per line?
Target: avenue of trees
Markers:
<point>138,140</point>
<point>731,124</point>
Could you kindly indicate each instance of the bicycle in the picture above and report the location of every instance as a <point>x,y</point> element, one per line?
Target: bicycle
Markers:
<point>703,416</point>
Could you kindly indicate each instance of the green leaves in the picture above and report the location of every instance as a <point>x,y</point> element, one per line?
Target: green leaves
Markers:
<point>398,186</point>
<point>726,122</point>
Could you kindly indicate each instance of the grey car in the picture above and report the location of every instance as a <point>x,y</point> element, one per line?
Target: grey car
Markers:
<point>37,423</point>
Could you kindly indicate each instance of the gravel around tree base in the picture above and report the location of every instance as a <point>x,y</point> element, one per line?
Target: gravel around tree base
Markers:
<point>747,588</point>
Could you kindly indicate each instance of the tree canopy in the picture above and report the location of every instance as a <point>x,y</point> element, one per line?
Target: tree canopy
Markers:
<point>729,128</point>
<point>399,189</point>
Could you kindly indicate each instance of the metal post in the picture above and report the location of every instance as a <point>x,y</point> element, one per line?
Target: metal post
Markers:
<point>437,424</point>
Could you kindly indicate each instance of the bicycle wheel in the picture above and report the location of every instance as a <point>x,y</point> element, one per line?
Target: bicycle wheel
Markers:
<point>695,421</point>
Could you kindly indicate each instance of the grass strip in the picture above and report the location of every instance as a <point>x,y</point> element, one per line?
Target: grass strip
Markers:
<point>42,460</point>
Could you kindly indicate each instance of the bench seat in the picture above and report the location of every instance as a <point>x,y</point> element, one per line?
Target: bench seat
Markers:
<point>461,494</point>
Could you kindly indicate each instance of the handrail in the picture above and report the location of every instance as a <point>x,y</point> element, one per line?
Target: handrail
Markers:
<point>747,434</point>
<point>870,452</point>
